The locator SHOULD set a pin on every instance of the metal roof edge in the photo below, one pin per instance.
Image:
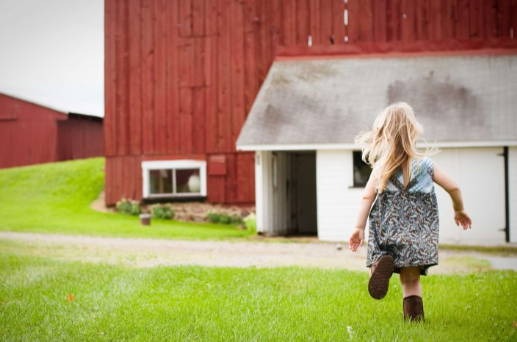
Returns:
(36, 103)
(44, 105)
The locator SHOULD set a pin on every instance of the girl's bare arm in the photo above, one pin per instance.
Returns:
(454, 192)
(357, 237)
(450, 186)
(367, 197)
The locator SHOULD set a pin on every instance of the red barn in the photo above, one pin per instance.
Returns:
(33, 134)
(181, 76)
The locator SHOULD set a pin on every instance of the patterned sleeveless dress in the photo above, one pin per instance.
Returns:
(404, 222)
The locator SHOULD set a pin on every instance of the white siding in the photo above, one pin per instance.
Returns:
(338, 202)
(480, 174)
(478, 171)
(512, 173)
(260, 191)
(271, 169)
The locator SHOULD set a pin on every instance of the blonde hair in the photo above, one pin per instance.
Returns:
(391, 142)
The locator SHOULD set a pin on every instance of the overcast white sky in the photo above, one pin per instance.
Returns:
(52, 53)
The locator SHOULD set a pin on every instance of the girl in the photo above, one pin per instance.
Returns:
(403, 221)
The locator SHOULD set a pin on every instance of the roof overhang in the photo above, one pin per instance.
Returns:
(461, 100)
(314, 147)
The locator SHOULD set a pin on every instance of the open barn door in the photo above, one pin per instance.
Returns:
(301, 194)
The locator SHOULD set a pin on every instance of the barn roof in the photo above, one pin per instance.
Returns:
(461, 100)
(60, 111)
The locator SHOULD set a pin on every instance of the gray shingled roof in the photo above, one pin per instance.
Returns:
(458, 99)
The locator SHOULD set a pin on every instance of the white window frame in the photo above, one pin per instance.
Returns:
(173, 165)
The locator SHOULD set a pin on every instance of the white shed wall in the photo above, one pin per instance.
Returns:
(337, 202)
(512, 180)
(260, 191)
(478, 171)
(480, 174)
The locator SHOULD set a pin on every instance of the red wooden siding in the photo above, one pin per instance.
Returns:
(28, 133)
(33, 134)
(182, 75)
(79, 137)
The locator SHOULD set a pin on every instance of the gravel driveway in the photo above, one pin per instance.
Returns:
(138, 252)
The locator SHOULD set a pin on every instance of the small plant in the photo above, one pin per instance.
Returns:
(236, 219)
(223, 218)
(127, 206)
(162, 212)
(250, 222)
(213, 217)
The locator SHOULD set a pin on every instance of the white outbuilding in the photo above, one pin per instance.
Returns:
(308, 171)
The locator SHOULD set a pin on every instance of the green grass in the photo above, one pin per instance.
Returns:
(56, 198)
(114, 303)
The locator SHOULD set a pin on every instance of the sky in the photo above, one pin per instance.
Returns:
(52, 53)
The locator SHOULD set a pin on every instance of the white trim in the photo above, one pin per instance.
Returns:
(259, 191)
(294, 147)
(469, 144)
(173, 165)
(173, 175)
(177, 164)
(512, 192)
(274, 170)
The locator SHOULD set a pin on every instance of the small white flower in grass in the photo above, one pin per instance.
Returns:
(350, 331)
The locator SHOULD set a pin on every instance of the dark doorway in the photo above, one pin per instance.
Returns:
(301, 193)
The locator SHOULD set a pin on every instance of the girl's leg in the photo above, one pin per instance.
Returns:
(412, 294)
(410, 280)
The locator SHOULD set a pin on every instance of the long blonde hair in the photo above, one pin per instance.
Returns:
(391, 143)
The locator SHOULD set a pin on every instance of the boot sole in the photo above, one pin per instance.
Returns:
(380, 279)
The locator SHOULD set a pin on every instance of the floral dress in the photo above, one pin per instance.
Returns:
(404, 222)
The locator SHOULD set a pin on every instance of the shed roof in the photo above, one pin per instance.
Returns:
(461, 100)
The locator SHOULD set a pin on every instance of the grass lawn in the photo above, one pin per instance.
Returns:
(47, 300)
(56, 198)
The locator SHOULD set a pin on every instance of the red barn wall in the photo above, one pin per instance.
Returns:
(28, 132)
(33, 134)
(80, 137)
(181, 76)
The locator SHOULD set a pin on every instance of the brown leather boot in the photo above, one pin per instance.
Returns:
(413, 308)
(380, 278)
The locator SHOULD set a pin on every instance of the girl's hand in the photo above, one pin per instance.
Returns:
(461, 218)
(356, 239)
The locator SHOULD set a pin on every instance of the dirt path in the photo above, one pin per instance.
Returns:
(154, 252)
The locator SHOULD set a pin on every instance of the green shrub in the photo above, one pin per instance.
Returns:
(250, 222)
(236, 219)
(213, 217)
(127, 206)
(224, 218)
(163, 212)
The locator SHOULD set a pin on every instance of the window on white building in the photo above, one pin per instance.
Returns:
(361, 170)
(174, 178)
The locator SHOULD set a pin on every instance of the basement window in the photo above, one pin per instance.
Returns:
(174, 178)
(361, 171)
